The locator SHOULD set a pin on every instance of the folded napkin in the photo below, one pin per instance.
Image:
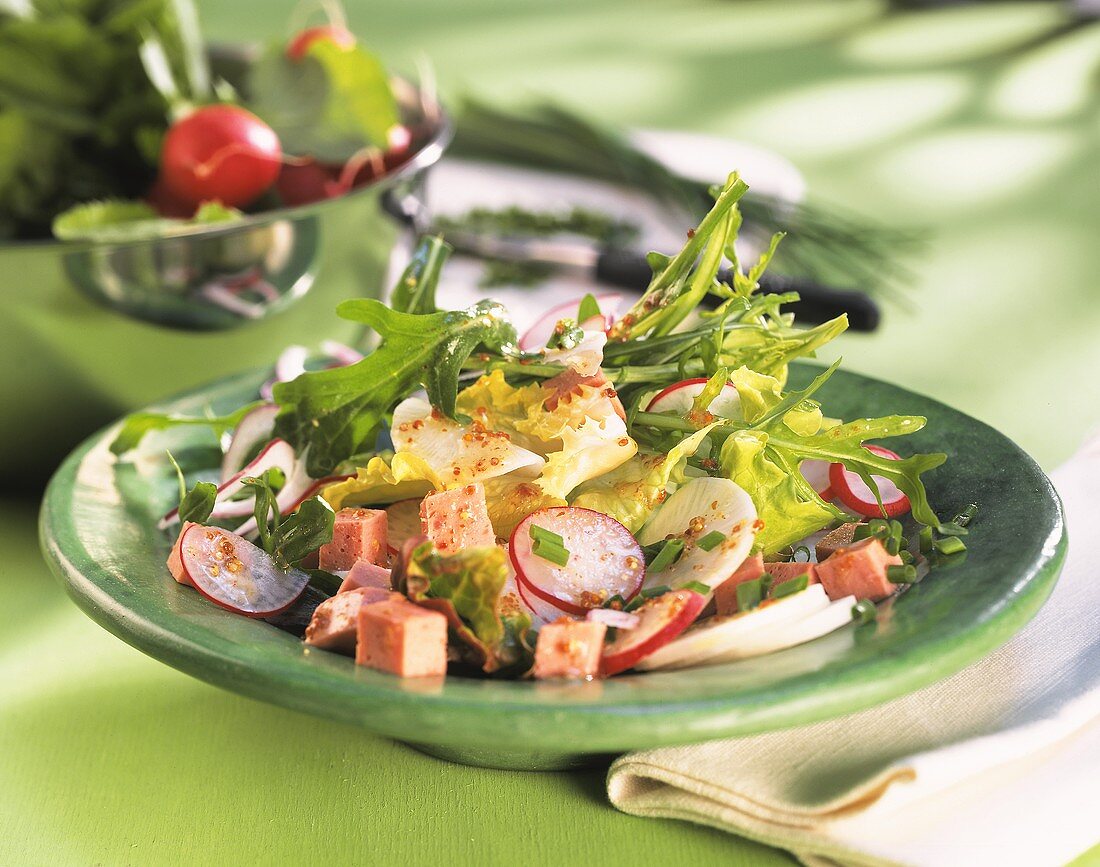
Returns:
(997, 765)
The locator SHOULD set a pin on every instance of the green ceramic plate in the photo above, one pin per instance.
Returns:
(99, 534)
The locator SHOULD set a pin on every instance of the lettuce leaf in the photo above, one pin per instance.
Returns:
(632, 491)
(510, 500)
(466, 587)
(404, 477)
(138, 424)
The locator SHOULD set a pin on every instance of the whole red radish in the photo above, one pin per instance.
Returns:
(334, 33)
(300, 183)
(220, 153)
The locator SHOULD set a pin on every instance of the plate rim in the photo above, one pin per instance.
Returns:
(633, 724)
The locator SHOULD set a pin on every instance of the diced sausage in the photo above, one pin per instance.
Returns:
(858, 570)
(335, 621)
(364, 573)
(567, 385)
(357, 534)
(175, 558)
(569, 649)
(781, 572)
(834, 540)
(402, 638)
(457, 519)
(725, 594)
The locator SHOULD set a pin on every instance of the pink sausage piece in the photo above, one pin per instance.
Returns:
(357, 534)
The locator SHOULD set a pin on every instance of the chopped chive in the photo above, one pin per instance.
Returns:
(637, 602)
(792, 585)
(616, 602)
(802, 554)
(952, 529)
(949, 545)
(711, 540)
(668, 555)
(966, 515)
(541, 534)
(864, 611)
(892, 546)
(925, 541)
(556, 554)
(896, 532)
(906, 557)
(697, 587)
(749, 594)
(901, 574)
(653, 592)
(766, 581)
(861, 532)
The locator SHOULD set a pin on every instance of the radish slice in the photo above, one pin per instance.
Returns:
(702, 506)
(402, 521)
(660, 621)
(679, 397)
(290, 365)
(255, 429)
(817, 474)
(235, 574)
(536, 336)
(342, 355)
(277, 453)
(541, 612)
(605, 559)
(855, 493)
(719, 634)
(761, 641)
(613, 619)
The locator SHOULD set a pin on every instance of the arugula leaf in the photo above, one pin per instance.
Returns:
(338, 412)
(415, 291)
(138, 424)
(288, 538)
(466, 587)
(196, 504)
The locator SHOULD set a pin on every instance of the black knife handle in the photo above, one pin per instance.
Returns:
(817, 303)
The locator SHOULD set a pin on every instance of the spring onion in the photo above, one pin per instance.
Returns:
(791, 586)
(670, 552)
(711, 540)
(949, 545)
(548, 550)
(749, 595)
(864, 611)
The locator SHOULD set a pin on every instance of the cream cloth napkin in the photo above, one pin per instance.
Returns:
(997, 765)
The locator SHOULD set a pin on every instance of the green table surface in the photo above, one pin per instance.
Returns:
(974, 122)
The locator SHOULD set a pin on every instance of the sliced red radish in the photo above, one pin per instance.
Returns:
(541, 612)
(277, 453)
(703, 506)
(680, 396)
(605, 559)
(255, 429)
(403, 521)
(719, 635)
(535, 337)
(235, 574)
(340, 353)
(660, 620)
(613, 618)
(290, 365)
(857, 495)
(817, 474)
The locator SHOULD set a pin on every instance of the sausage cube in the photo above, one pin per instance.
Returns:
(725, 594)
(781, 572)
(357, 534)
(569, 649)
(457, 519)
(364, 573)
(402, 638)
(336, 620)
(858, 570)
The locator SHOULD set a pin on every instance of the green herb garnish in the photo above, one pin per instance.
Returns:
(864, 611)
(668, 554)
(551, 551)
(750, 594)
(791, 585)
(711, 540)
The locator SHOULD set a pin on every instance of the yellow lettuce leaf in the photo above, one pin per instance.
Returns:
(379, 482)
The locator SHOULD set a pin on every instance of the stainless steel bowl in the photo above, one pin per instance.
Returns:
(83, 336)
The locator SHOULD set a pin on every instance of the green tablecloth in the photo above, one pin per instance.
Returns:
(918, 118)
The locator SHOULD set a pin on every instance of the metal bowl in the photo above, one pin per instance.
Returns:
(70, 362)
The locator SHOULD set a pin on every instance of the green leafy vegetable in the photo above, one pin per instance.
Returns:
(196, 504)
(336, 413)
(332, 103)
(589, 308)
(127, 220)
(288, 539)
(137, 425)
(466, 587)
(415, 290)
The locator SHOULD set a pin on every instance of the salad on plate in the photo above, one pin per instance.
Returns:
(614, 490)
